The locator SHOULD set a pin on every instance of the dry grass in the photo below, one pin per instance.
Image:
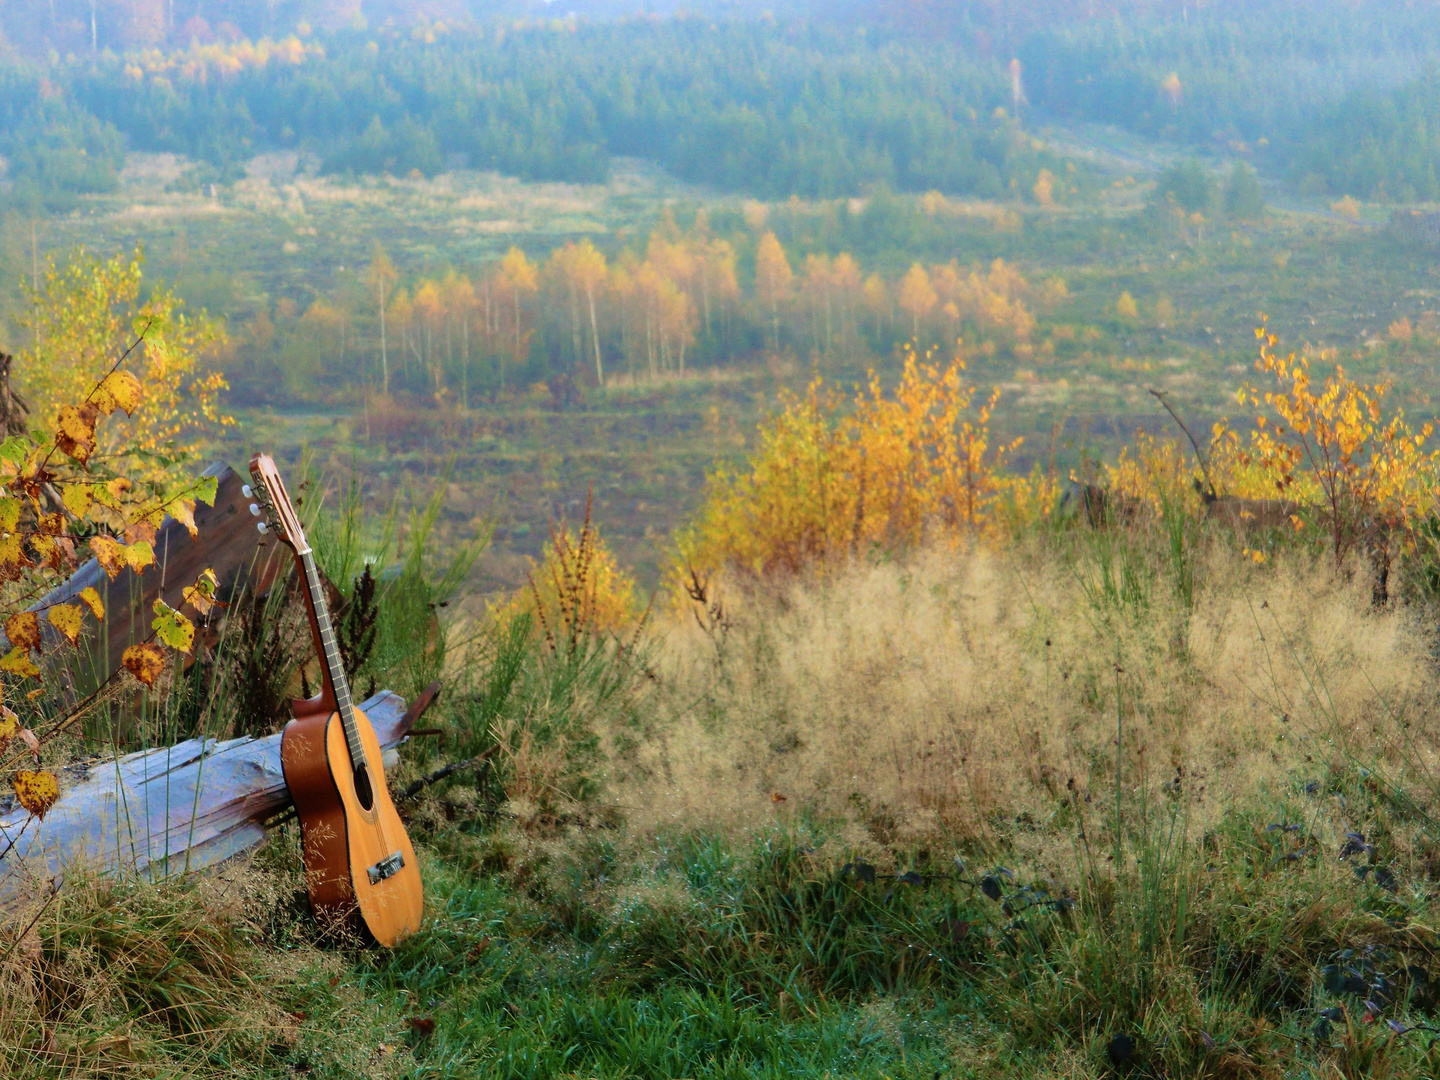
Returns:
(956, 693)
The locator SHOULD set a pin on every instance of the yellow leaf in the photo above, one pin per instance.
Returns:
(109, 494)
(183, 511)
(201, 595)
(145, 662)
(9, 513)
(9, 724)
(171, 627)
(12, 557)
(75, 431)
(119, 390)
(17, 661)
(23, 630)
(77, 498)
(68, 619)
(109, 554)
(92, 600)
(37, 791)
(139, 555)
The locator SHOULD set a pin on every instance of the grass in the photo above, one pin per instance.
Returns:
(1096, 805)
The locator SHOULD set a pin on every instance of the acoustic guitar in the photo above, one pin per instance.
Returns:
(360, 868)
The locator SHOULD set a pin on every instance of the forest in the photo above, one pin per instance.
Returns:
(825, 109)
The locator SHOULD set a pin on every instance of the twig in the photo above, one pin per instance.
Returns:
(1200, 455)
(54, 892)
(449, 770)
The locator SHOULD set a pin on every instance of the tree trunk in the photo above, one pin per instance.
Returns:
(595, 333)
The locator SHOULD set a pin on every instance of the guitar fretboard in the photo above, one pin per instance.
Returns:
(336, 670)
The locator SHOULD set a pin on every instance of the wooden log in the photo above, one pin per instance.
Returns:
(164, 811)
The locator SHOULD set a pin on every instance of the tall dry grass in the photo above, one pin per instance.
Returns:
(972, 695)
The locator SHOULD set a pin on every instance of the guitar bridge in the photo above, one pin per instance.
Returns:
(387, 867)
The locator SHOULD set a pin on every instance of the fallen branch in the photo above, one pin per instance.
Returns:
(449, 770)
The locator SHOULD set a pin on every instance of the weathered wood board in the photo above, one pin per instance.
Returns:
(228, 543)
(164, 811)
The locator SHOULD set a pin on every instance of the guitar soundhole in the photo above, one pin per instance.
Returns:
(363, 794)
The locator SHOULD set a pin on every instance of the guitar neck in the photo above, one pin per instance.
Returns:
(337, 686)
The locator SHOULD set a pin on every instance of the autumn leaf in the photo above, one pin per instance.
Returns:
(171, 627)
(68, 619)
(9, 513)
(183, 511)
(201, 595)
(112, 492)
(14, 449)
(17, 661)
(23, 630)
(92, 600)
(56, 552)
(109, 554)
(121, 390)
(139, 555)
(37, 791)
(145, 661)
(114, 556)
(12, 557)
(9, 724)
(75, 431)
(77, 498)
(145, 528)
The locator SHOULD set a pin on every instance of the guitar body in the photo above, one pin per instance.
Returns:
(360, 869)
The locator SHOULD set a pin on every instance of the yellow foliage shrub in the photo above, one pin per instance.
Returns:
(1368, 478)
(85, 314)
(1155, 473)
(575, 591)
(824, 484)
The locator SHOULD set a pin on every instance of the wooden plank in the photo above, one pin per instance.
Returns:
(228, 543)
(167, 810)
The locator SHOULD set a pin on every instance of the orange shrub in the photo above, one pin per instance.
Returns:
(576, 591)
(825, 484)
(1368, 478)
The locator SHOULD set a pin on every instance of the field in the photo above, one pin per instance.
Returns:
(1050, 790)
(283, 234)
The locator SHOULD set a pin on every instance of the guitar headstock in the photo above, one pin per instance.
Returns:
(273, 501)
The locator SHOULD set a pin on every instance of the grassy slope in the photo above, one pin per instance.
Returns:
(736, 897)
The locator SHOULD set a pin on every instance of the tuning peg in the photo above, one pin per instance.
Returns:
(254, 510)
(247, 491)
(262, 527)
